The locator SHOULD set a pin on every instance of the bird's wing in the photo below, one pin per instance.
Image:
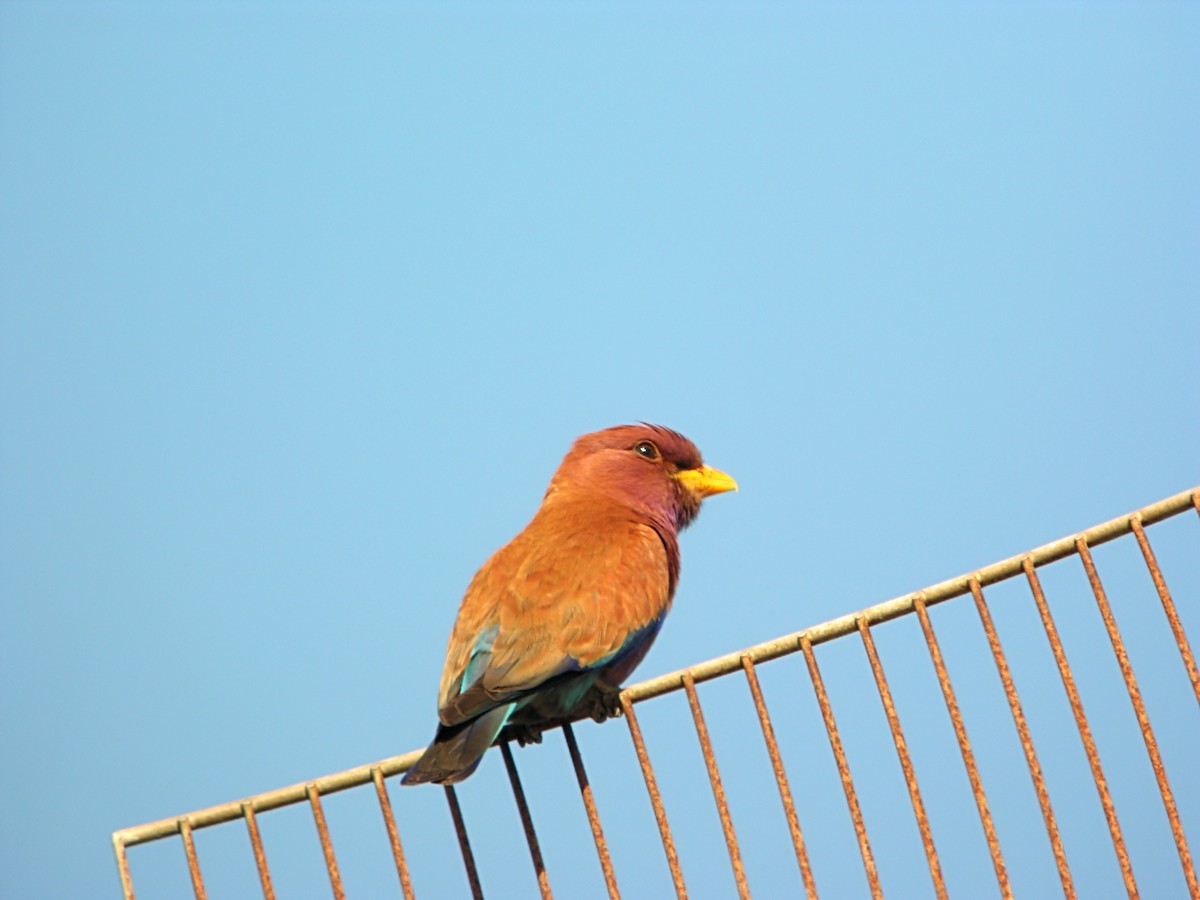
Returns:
(565, 596)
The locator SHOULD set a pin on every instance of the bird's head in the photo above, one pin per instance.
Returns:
(653, 470)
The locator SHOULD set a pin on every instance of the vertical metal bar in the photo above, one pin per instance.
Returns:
(535, 851)
(1085, 732)
(464, 844)
(335, 877)
(1143, 718)
(964, 743)
(781, 779)
(193, 863)
(593, 814)
(910, 776)
(389, 821)
(1031, 759)
(260, 855)
(660, 813)
(123, 868)
(1160, 584)
(843, 765)
(714, 778)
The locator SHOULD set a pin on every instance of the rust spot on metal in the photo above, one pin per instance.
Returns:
(123, 868)
(1160, 585)
(781, 779)
(335, 877)
(535, 851)
(843, 766)
(1143, 718)
(464, 843)
(964, 743)
(714, 778)
(593, 815)
(910, 776)
(260, 855)
(193, 863)
(1085, 732)
(660, 813)
(1031, 759)
(389, 822)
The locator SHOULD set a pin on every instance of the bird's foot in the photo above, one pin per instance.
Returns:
(605, 703)
(526, 734)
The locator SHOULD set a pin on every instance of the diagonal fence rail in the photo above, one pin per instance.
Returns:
(1023, 569)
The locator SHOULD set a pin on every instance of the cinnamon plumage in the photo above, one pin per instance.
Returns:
(558, 618)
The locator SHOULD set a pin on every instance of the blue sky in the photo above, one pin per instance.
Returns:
(302, 304)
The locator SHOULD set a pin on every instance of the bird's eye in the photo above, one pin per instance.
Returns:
(646, 449)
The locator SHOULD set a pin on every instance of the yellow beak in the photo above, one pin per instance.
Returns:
(706, 481)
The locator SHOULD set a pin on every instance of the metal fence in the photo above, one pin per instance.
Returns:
(806, 866)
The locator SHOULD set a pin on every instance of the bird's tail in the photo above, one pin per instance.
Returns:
(457, 749)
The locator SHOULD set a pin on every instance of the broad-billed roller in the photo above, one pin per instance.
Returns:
(560, 616)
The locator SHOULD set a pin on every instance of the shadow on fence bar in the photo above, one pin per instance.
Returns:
(1022, 569)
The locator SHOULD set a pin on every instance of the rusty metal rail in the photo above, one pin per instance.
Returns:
(864, 623)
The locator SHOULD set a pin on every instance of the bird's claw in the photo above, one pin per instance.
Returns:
(526, 734)
(605, 703)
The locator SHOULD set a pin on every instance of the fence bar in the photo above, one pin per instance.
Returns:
(535, 851)
(660, 813)
(891, 609)
(335, 877)
(593, 815)
(123, 869)
(802, 641)
(260, 855)
(964, 743)
(464, 843)
(389, 822)
(910, 776)
(721, 665)
(1085, 731)
(843, 765)
(781, 779)
(268, 800)
(193, 863)
(714, 778)
(1031, 759)
(1143, 718)
(1160, 584)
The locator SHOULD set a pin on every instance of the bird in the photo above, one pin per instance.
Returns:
(555, 620)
